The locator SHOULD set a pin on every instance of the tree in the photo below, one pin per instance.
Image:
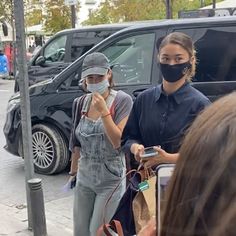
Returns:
(126, 10)
(35, 17)
(33, 12)
(6, 9)
(58, 15)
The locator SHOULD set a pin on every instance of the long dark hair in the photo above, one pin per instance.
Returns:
(201, 198)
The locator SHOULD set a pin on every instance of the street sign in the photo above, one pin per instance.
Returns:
(71, 2)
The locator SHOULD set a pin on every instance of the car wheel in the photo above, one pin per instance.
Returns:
(50, 152)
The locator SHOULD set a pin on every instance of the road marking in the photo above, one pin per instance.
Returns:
(4, 90)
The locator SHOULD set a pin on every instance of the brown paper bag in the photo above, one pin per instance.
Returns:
(144, 204)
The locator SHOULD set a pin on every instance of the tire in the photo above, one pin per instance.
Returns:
(50, 152)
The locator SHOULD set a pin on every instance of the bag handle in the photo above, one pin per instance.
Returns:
(114, 225)
(113, 191)
(118, 185)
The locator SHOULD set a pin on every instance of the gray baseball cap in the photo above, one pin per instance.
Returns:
(95, 64)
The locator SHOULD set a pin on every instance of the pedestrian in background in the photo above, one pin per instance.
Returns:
(4, 73)
(161, 115)
(201, 196)
(95, 145)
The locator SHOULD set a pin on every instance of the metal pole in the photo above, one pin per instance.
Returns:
(73, 16)
(25, 103)
(168, 9)
(37, 204)
(201, 3)
(213, 4)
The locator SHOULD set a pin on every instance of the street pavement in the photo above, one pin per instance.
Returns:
(14, 217)
(58, 218)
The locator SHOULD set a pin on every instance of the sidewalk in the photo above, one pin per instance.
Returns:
(13, 220)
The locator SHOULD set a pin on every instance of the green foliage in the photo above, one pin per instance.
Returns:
(34, 17)
(33, 12)
(178, 5)
(126, 10)
(6, 9)
(111, 11)
(58, 16)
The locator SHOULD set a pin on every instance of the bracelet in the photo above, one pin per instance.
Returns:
(108, 114)
(72, 173)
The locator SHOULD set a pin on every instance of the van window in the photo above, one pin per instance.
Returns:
(55, 50)
(131, 59)
(216, 53)
(83, 41)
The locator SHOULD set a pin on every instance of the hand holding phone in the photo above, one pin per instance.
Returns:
(149, 152)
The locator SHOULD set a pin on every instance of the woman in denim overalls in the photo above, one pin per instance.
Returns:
(95, 145)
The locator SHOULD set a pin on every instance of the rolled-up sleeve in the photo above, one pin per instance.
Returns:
(123, 106)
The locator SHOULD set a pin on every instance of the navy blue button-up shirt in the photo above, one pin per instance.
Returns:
(160, 119)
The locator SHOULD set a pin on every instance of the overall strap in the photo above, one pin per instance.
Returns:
(110, 102)
(78, 111)
(86, 103)
(76, 115)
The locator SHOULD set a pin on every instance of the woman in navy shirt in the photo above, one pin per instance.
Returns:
(160, 115)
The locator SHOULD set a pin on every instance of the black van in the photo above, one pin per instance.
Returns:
(64, 48)
(133, 54)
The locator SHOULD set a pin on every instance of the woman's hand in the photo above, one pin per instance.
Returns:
(160, 158)
(137, 150)
(99, 104)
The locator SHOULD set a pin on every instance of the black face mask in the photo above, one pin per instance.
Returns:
(173, 73)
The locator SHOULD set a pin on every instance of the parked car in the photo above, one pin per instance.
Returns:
(64, 48)
(133, 54)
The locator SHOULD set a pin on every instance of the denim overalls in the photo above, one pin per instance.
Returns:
(101, 167)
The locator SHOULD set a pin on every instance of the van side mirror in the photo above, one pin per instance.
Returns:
(40, 61)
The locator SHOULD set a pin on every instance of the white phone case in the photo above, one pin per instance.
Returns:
(163, 173)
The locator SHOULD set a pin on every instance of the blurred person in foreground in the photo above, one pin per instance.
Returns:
(201, 197)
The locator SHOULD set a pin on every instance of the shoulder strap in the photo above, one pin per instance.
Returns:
(78, 111)
(76, 115)
(112, 106)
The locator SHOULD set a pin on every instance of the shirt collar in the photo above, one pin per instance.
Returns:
(177, 95)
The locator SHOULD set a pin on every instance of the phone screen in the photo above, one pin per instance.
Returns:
(149, 152)
(164, 173)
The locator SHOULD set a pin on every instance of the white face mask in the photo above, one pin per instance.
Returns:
(100, 87)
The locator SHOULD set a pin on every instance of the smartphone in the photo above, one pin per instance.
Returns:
(149, 152)
(163, 173)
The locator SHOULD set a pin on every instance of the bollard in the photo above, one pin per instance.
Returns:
(37, 207)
